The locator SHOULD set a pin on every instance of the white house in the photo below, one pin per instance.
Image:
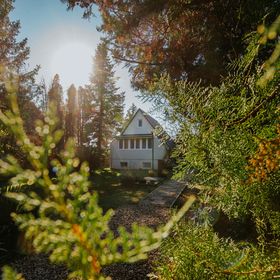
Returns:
(137, 150)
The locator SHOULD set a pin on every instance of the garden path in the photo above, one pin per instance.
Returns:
(166, 194)
(152, 211)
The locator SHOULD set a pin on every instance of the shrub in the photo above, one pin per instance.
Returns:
(196, 252)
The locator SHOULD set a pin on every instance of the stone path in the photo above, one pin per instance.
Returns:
(165, 195)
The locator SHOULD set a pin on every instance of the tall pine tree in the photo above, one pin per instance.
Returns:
(71, 117)
(55, 98)
(130, 112)
(13, 57)
(106, 107)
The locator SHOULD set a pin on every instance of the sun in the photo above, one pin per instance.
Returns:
(73, 62)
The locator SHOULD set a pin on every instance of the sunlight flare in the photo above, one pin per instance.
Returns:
(73, 63)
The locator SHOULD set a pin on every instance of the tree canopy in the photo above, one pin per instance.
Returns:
(184, 39)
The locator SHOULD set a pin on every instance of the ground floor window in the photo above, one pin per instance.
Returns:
(124, 164)
(146, 164)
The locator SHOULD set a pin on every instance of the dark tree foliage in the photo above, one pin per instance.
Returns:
(13, 57)
(130, 112)
(193, 39)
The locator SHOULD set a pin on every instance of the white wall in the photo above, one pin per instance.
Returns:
(133, 127)
(135, 157)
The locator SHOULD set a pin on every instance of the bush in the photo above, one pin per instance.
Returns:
(196, 252)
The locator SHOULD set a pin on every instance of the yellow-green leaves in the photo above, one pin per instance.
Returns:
(272, 64)
(10, 274)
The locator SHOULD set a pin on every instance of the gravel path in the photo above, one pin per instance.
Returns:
(142, 214)
(37, 267)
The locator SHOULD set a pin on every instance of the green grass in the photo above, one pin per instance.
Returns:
(115, 191)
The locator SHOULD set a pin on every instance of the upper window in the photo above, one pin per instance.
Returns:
(131, 143)
(140, 123)
(138, 143)
(121, 144)
(144, 143)
(126, 143)
(150, 143)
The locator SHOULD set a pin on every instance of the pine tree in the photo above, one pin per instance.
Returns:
(55, 94)
(179, 37)
(80, 124)
(13, 57)
(130, 112)
(71, 118)
(106, 104)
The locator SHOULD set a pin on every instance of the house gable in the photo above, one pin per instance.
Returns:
(139, 124)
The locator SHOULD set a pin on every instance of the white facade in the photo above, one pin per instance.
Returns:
(137, 148)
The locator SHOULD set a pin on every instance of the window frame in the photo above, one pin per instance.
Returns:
(146, 167)
(126, 162)
(132, 147)
(120, 144)
(150, 143)
(126, 144)
(144, 140)
(139, 144)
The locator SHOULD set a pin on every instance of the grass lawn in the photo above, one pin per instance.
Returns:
(114, 192)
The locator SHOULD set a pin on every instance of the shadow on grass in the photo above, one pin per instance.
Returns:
(116, 191)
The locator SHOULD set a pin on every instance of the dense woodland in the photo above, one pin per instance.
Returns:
(212, 69)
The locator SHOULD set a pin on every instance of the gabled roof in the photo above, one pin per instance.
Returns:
(149, 119)
(154, 123)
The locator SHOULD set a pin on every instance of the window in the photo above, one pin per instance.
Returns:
(150, 143)
(146, 164)
(121, 144)
(137, 143)
(131, 143)
(144, 143)
(126, 143)
(124, 164)
(140, 123)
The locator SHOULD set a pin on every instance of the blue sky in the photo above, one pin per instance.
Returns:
(64, 43)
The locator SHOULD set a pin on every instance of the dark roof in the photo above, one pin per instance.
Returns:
(150, 119)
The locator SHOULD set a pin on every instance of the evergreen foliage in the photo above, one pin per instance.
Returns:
(9, 274)
(13, 55)
(103, 108)
(227, 145)
(55, 98)
(71, 116)
(195, 252)
(220, 128)
(178, 37)
(130, 112)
